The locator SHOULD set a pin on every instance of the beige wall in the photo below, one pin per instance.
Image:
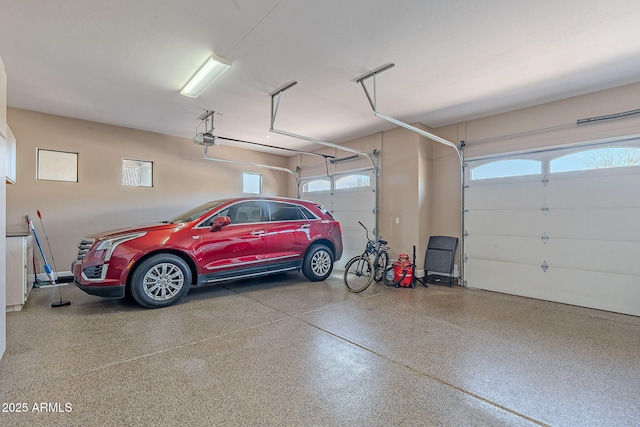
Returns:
(182, 179)
(404, 195)
(556, 122)
(313, 166)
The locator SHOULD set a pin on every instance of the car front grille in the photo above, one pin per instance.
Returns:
(83, 248)
(93, 272)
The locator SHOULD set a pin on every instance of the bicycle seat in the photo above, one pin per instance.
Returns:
(383, 242)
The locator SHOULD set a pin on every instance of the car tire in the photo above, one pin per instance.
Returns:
(160, 281)
(318, 263)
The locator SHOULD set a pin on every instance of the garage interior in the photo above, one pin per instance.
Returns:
(542, 326)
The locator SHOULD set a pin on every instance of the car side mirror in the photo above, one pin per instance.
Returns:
(220, 222)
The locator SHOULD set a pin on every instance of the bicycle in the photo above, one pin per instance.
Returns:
(360, 271)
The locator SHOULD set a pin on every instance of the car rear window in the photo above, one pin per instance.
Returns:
(288, 212)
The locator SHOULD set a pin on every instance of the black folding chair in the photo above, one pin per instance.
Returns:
(439, 260)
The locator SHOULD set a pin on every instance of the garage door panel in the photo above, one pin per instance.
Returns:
(601, 290)
(619, 224)
(323, 198)
(506, 222)
(348, 253)
(505, 277)
(520, 250)
(349, 221)
(523, 195)
(353, 235)
(604, 291)
(589, 255)
(350, 207)
(356, 198)
(594, 192)
(594, 255)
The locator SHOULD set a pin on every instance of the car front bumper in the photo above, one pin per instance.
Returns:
(113, 291)
(102, 288)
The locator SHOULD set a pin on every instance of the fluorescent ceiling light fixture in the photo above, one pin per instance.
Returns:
(213, 69)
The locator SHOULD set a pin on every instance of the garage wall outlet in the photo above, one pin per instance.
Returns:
(397, 220)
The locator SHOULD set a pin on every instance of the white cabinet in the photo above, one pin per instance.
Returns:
(20, 273)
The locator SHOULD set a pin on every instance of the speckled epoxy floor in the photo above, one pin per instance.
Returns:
(283, 351)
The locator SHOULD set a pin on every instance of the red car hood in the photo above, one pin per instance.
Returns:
(143, 228)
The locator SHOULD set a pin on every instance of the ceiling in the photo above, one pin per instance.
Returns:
(124, 62)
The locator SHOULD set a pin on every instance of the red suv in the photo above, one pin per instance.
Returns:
(220, 240)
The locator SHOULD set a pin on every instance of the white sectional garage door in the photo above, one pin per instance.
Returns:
(350, 197)
(567, 229)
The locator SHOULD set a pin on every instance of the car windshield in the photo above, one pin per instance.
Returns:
(197, 212)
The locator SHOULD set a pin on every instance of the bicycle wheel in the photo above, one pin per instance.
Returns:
(358, 274)
(380, 264)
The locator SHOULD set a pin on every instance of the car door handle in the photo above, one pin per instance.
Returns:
(257, 233)
(306, 226)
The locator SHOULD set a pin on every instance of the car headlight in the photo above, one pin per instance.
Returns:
(110, 244)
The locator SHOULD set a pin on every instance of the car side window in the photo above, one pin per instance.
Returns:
(288, 212)
(241, 213)
(245, 212)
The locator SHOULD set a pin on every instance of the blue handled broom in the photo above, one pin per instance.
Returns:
(47, 267)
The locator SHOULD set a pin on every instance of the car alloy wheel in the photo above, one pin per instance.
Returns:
(163, 282)
(318, 263)
(321, 263)
(160, 280)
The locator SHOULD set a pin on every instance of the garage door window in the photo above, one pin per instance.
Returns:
(599, 158)
(506, 168)
(352, 181)
(316, 185)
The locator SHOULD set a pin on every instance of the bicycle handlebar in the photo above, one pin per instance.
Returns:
(367, 231)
